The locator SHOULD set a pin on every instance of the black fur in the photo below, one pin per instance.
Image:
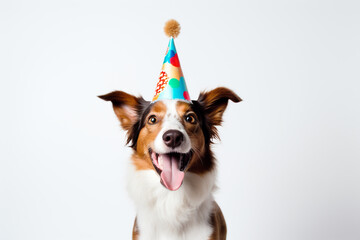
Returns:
(143, 109)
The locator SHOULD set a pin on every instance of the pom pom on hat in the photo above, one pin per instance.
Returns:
(172, 28)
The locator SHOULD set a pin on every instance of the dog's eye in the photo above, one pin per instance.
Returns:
(152, 119)
(190, 118)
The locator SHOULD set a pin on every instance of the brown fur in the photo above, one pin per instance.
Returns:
(135, 233)
(214, 104)
(147, 135)
(122, 103)
(218, 222)
(128, 109)
(196, 137)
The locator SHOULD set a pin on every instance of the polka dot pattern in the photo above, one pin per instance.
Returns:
(171, 84)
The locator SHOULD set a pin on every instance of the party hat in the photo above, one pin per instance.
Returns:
(171, 84)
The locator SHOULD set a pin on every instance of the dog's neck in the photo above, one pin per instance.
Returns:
(161, 212)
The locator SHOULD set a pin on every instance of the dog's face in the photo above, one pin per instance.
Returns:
(172, 136)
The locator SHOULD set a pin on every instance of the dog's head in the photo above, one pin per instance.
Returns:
(172, 136)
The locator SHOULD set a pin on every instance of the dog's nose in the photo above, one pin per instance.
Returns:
(173, 138)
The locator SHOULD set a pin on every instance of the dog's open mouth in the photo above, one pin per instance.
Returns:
(170, 167)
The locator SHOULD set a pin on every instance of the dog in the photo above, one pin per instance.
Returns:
(172, 173)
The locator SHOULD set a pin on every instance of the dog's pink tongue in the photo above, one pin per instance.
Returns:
(171, 176)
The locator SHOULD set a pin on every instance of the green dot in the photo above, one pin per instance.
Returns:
(174, 83)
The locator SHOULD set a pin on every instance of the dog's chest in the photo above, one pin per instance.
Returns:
(197, 231)
(179, 215)
(193, 226)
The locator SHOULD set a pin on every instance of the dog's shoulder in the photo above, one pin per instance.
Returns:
(218, 223)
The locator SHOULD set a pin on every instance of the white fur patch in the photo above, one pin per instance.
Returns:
(177, 215)
(171, 121)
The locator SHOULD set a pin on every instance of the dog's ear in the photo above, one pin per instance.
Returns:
(126, 107)
(214, 104)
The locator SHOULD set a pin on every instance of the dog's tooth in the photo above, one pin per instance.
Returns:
(161, 163)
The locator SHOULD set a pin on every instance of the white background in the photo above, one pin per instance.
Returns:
(289, 159)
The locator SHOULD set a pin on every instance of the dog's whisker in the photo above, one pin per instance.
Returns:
(197, 152)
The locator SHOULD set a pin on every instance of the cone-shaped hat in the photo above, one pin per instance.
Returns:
(171, 84)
